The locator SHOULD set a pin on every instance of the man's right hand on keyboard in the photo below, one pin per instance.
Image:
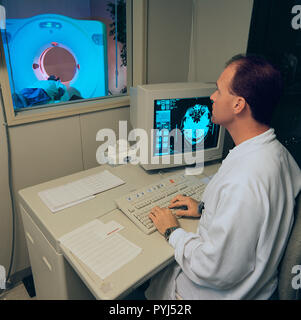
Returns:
(191, 204)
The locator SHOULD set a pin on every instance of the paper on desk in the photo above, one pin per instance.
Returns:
(75, 192)
(100, 247)
(56, 209)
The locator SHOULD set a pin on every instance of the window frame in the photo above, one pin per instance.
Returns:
(136, 74)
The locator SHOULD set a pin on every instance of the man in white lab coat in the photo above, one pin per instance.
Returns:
(246, 212)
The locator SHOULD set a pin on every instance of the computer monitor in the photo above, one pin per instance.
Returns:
(177, 120)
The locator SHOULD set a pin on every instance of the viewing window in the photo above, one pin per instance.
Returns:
(64, 50)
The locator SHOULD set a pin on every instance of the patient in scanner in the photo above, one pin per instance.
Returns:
(42, 92)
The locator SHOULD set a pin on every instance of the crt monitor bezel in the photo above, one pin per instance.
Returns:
(142, 116)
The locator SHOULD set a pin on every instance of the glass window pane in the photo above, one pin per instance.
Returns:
(64, 50)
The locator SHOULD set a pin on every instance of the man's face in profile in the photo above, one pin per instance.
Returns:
(223, 100)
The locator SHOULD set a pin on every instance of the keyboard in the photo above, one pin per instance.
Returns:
(137, 205)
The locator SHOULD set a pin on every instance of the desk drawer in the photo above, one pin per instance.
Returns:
(46, 264)
(53, 276)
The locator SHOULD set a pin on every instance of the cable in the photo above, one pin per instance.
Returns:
(10, 183)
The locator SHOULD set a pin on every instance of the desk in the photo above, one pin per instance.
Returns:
(57, 273)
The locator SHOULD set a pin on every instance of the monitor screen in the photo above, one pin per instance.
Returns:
(190, 121)
(175, 119)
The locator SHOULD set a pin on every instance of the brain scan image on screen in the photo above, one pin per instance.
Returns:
(196, 124)
(190, 119)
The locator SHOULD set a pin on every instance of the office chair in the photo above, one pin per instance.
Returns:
(291, 257)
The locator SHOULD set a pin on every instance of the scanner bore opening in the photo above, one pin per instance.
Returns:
(59, 62)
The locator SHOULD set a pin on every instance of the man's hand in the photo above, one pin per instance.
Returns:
(163, 219)
(191, 204)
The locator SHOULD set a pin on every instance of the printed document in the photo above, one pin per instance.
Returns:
(100, 247)
(72, 193)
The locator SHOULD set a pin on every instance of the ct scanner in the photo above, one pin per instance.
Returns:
(29, 39)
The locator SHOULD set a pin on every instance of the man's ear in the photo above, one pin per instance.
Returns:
(240, 105)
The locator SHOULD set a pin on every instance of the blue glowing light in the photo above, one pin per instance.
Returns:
(85, 40)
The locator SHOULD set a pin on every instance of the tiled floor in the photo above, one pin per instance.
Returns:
(17, 293)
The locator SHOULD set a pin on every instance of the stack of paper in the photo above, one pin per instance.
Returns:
(100, 247)
(78, 191)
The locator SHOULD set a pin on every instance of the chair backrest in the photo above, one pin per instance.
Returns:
(291, 258)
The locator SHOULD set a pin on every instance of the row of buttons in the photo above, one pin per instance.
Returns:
(156, 187)
(142, 193)
(156, 198)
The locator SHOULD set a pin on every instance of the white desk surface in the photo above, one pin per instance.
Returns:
(156, 252)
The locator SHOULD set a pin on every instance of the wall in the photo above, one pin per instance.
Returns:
(222, 31)
(169, 40)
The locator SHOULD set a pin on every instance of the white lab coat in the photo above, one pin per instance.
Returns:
(242, 233)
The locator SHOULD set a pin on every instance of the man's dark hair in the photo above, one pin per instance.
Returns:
(259, 83)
